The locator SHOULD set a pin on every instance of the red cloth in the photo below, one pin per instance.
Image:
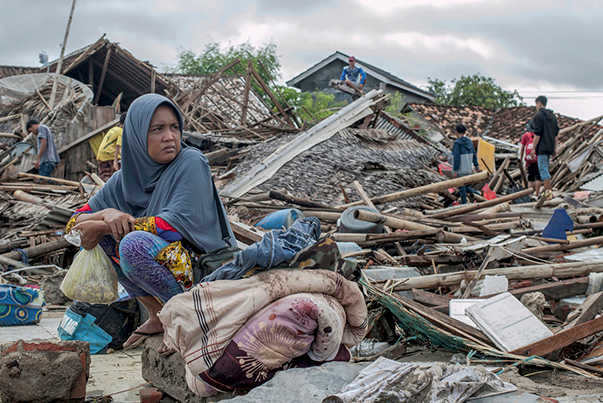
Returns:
(527, 140)
(488, 193)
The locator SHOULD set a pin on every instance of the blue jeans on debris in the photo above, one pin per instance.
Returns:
(543, 166)
(274, 248)
(46, 168)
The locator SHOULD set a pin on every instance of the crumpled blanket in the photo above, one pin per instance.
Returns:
(274, 248)
(389, 380)
(201, 323)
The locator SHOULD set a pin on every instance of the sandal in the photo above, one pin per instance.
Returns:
(138, 342)
(166, 350)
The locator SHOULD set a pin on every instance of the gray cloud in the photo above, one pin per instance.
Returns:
(543, 44)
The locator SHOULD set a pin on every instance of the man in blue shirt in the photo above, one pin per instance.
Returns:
(48, 156)
(353, 76)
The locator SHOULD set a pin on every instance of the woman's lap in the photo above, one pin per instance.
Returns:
(137, 270)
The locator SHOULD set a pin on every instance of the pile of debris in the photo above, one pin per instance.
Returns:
(511, 280)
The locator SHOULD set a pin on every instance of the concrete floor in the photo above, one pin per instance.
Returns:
(109, 373)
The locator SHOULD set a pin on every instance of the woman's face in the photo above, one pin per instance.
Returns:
(163, 139)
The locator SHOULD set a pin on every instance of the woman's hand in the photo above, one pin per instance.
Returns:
(119, 222)
(92, 232)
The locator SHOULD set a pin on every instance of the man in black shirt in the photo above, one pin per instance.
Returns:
(545, 141)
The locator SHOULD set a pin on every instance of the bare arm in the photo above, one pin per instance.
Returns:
(43, 145)
(116, 158)
(521, 152)
(96, 225)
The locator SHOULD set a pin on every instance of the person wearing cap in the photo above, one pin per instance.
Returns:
(353, 76)
(525, 154)
(545, 142)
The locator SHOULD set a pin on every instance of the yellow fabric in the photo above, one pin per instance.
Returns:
(71, 222)
(177, 259)
(106, 151)
(96, 141)
(146, 224)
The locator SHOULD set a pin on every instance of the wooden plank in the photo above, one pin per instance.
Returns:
(271, 95)
(429, 299)
(246, 92)
(587, 310)
(245, 233)
(561, 339)
(88, 136)
(102, 77)
(367, 200)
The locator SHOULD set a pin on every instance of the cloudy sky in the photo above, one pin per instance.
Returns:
(536, 46)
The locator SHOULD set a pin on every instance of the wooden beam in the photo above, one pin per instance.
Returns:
(477, 206)
(245, 233)
(587, 310)
(367, 200)
(246, 91)
(559, 270)
(561, 339)
(88, 136)
(102, 77)
(434, 187)
(270, 95)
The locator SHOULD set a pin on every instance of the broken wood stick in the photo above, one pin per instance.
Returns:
(477, 206)
(560, 339)
(558, 270)
(57, 180)
(26, 197)
(365, 198)
(38, 250)
(490, 216)
(587, 310)
(598, 240)
(434, 187)
(399, 224)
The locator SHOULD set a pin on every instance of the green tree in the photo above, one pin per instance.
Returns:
(312, 107)
(214, 57)
(475, 90)
(397, 102)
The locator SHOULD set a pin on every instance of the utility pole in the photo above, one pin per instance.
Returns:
(60, 64)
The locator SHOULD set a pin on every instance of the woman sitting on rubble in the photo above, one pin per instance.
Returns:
(153, 215)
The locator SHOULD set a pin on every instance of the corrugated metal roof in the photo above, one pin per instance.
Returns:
(594, 185)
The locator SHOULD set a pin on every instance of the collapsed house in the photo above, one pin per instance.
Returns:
(425, 266)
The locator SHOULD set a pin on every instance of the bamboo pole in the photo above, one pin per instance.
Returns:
(57, 180)
(400, 224)
(434, 187)
(60, 63)
(598, 240)
(559, 270)
(485, 204)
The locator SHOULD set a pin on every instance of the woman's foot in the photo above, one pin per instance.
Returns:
(150, 328)
(164, 350)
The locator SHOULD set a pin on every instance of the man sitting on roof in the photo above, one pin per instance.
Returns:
(353, 76)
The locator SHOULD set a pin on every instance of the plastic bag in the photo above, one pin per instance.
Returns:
(91, 278)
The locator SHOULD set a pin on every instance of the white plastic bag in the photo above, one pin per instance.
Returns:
(91, 277)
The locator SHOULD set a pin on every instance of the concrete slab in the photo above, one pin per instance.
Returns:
(117, 372)
(508, 323)
(45, 330)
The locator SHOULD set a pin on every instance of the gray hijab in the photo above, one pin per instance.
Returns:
(180, 192)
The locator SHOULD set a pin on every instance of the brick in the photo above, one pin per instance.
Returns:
(59, 371)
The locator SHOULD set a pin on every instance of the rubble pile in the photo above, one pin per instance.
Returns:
(510, 279)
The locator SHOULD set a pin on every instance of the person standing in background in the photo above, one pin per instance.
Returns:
(525, 154)
(48, 156)
(545, 142)
(109, 152)
(464, 155)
